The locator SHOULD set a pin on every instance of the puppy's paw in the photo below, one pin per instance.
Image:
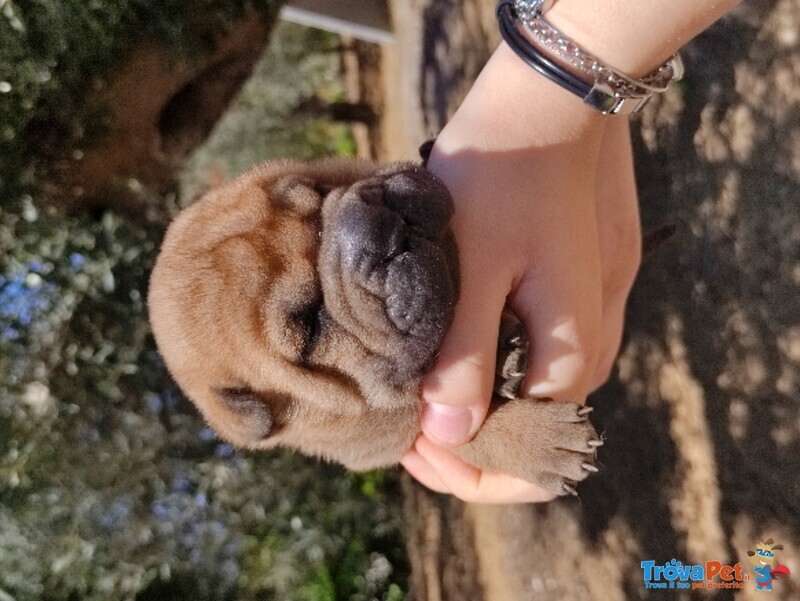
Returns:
(512, 356)
(546, 442)
(568, 444)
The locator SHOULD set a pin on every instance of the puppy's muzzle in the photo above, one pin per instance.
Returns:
(391, 238)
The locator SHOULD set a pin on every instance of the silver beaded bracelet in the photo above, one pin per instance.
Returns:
(612, 92)
(531, 7)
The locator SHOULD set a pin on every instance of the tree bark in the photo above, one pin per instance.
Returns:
(160, 108)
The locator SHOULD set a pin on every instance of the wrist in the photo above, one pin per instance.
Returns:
(635, 36)
(511, 107)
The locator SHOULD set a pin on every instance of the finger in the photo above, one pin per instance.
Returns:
(613, 323)
(619, 233)
(474, 486)
(560, 302)
(422, 471)
(458, 390)
(619, 239)
(460, 478)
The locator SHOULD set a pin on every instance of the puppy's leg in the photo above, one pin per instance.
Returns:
(550, 443)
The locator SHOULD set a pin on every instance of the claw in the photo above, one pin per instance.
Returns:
(585, 411)
(514, 340)
(570, 489)
(595, 443)
(589, 467)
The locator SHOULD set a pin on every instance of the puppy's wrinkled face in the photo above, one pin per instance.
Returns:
(296, 303)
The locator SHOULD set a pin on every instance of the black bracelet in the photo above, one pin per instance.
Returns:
(598, 95)
(507, 18)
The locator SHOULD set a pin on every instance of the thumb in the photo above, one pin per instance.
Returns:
(457, 393)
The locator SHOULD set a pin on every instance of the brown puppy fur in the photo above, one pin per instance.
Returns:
(300, 305)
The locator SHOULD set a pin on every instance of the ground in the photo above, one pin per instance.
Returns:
(702, 413)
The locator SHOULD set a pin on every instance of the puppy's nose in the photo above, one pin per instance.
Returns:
(369, 235)
(421, 199)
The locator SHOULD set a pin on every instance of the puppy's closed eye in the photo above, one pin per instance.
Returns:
(252, 416)
(312, 319)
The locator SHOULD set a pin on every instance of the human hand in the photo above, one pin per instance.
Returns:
(546, 221)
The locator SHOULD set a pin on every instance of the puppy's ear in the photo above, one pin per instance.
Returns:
(299, 193)
(250, 414)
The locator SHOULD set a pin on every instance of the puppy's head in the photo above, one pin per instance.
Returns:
(300, 305)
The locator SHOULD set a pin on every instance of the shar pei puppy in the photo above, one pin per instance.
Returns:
(301, 304)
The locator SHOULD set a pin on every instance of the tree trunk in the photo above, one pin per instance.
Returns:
(160, 108)
(348, 112)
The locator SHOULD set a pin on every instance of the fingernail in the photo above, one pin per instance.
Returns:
(447, 422)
